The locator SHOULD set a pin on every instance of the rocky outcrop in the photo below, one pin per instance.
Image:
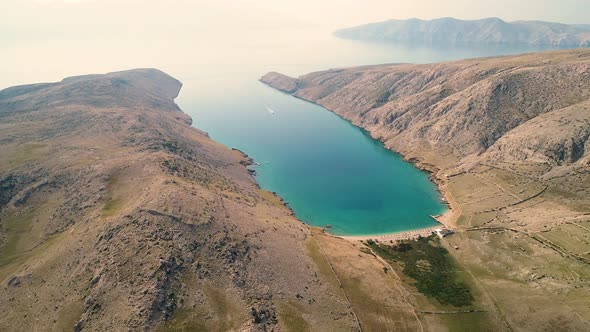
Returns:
(280, 82)
(450, 31)
(557, 138)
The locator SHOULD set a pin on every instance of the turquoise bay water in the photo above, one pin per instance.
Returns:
(329, 171)
(332, 173)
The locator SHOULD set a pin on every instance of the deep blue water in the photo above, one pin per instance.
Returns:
(329, 171)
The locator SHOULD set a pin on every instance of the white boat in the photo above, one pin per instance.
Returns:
(270, 110)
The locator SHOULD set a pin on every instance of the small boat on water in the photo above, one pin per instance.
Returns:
(270, 110)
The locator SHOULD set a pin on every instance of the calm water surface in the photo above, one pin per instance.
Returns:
(329, 171)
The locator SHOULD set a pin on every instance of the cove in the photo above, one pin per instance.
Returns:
(327, 170)
(333, 173)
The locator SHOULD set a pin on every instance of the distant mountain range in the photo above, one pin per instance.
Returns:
(485, 31)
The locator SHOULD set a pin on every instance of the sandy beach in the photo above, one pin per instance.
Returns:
(447, 220)
(398, 236)
(444, 219)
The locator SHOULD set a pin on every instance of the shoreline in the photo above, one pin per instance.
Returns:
(402, 235)
(447, 220)
(397, 236)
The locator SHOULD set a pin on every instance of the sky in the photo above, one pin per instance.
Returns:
(325, 12)
(49, 39)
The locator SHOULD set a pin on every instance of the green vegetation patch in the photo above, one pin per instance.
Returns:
(430, 266)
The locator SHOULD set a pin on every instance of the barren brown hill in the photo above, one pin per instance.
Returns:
(117, 215)
(508, 140)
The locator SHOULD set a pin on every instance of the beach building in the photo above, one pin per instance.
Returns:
(442, 232)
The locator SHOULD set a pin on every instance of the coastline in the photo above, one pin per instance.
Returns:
(442, 219)
(447, 220)
(397, 236)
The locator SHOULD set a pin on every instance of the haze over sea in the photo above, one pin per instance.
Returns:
(329, 172)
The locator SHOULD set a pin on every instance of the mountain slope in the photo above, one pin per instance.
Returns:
(463, 106)
(115, 214)
(450, 31)
(507, 140)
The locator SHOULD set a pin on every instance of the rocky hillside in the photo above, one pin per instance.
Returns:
(508, 141)
(450, 31)
(115, 215)
(473, 108)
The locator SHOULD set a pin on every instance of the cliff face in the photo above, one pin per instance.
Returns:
(116, 214)
(557, 138)
(450, 31)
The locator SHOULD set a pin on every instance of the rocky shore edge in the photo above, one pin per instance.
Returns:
(247, 162)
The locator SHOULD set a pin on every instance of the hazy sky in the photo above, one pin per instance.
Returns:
(47, 39)
(330, 12)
